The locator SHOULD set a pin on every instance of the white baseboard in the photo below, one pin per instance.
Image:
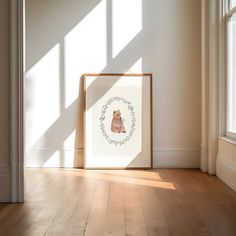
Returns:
(162, 158)
(176, 158)
(4, 183)
(58, 158)
(4, 170)
(226, 171)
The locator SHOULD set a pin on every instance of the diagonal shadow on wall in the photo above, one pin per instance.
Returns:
(51, 21)
(58, 132)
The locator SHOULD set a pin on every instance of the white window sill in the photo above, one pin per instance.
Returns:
(229, 140)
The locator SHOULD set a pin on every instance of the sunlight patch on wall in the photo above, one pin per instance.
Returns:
(85, 50)
(60, 158)
(137, 67)
(42, 97)
(69, 143)
(127, 23)
(53, 160)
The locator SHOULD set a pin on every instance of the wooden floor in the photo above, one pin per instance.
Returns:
(93, 203)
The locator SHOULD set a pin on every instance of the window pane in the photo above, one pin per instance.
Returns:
(232, 3)
(232, 75)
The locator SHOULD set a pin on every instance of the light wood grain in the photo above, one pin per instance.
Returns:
(165, 202)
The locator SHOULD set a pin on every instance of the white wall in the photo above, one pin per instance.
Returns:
(65, 39)
(4, 101)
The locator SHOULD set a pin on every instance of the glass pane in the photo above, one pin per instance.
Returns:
(232, 75)
(232, 3)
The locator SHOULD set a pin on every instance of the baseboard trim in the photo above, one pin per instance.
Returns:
(55, 158)
(177, 158)
(226, 171)
(4, 183)
(4, 171)
(162, 158)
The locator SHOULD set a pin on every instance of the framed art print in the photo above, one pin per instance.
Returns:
(118, 121)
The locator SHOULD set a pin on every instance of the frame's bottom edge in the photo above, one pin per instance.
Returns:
(118, 168)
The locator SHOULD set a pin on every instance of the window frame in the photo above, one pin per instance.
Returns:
(230, 11)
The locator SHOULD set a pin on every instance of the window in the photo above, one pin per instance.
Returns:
(232, 3)
(231, 74)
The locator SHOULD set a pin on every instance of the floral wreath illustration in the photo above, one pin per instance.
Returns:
(103, 117)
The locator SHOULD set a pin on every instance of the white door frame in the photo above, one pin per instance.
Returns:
(17, 68)
(212, 82)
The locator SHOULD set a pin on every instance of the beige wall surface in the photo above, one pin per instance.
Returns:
(65, 39)
(4, 101)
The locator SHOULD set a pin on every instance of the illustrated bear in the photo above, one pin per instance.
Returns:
(117, 125)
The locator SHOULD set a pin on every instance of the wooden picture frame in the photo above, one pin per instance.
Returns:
(118, 121)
